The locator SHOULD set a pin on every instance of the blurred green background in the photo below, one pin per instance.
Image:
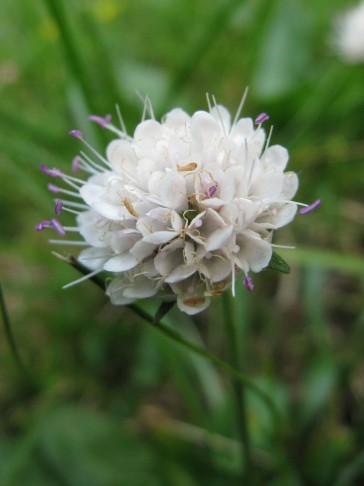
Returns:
(109, 401)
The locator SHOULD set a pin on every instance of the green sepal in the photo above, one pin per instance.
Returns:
(277, 263)
(163, 309)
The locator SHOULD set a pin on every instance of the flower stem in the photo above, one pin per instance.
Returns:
(72, 52)
(238, 386)
(11, 340)
(175, 336)
(232, 371)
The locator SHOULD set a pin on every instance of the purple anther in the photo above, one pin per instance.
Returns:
(248, 283)
(51, 172)
(53, 188)
(76, 134)
(102, 121)
(198, 223)
(58, 207)
(261, 118)
(211, 192)
(43, 224)
(76, 164)
(58, 227)
(310, 208)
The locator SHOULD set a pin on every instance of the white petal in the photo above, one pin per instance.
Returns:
(169, 258)
(142, 288)
(206, 126)
(173, 192)
(93, 258)
(276, 157)
(181, 273)
(142, 250)
(160, 237)
(121, 263)
(111, 211)
(268, 186)
(219, 238)
(115, 290)
(121, 156)
(219, 269)
(254, 251)
(290, 185)
(223, 116)
(148, 129)
(91, 192)
(176, 118)
(192, 305)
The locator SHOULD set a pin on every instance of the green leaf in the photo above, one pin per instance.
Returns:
(317, 389)
(277, 263)
(163, 309)
(282, 57)
(331, 260)
(75, 446)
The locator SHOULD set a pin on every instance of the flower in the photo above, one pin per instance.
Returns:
(349, 38)
(180, 209)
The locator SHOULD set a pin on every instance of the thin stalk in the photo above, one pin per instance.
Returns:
(206, 39)
(72, 52)
(175, 336)
(10, 338)
(233, 372)
(238, 385)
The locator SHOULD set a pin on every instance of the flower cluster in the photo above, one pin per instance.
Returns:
(180, 209)
(349, 38)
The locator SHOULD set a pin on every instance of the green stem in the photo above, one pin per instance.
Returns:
(206, 38)
(10, 338)
(73, 55)
(238, 386)
(160, 327)
(233, 372)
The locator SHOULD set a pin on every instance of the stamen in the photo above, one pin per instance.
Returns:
(208, 102)
(42, 225)
(89, 164)
(55, 189)
(129, 207)
(76, 133)
(94, 151)
(268, 141)
(102, 121)
(121, 121)
(219, 115)
(241, 106)
(188, 167)
(68, 242)
(261, 118)
(72, 229)
(211, 192)
(58, 207)
(248, 283)
(285, 247)
(73, 204)
(310, 207)
(72, 211)
(58, 227)
(76, 164)
(233, 280)
(82, 279)
(54, 172)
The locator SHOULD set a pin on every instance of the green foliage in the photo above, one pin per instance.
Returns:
(111, 399)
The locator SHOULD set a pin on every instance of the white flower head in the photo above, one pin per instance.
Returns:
(179, 210)
(349, 35)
